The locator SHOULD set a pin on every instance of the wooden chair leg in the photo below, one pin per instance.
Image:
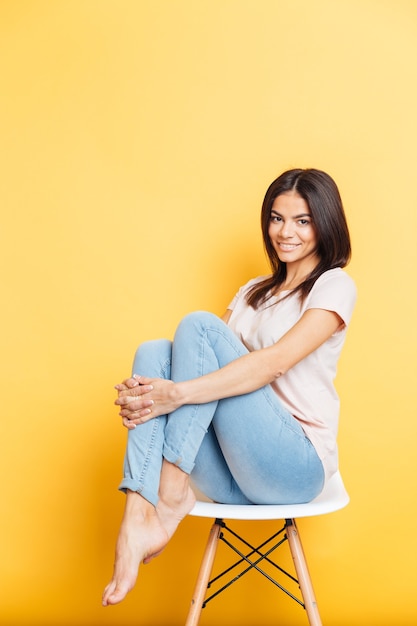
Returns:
(204, 576)
(303, 574)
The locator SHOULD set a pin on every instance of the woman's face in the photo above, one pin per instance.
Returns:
(292, 232)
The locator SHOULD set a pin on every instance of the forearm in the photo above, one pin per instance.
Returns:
(245, 374)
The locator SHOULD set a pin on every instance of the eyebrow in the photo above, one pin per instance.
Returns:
(296, 217)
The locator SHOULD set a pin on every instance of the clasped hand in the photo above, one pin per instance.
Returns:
(142, 398)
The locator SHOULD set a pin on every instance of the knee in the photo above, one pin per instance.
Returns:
(198, 319)
(155, 345)
(151, 354)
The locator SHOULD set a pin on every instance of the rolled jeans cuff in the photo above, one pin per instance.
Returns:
(134, 485)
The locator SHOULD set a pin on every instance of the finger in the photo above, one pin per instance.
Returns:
(143, 380)
(120, 387)
(143, 417)
(128, 424)
(135, 413)
(131, 382)
(126, 396)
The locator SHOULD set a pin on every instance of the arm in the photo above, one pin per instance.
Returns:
(226, 316)
(258, 368)
(245, 374)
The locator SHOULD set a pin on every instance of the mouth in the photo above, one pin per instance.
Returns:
(288, 247)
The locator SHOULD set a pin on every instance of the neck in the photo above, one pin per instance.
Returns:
(297, 275)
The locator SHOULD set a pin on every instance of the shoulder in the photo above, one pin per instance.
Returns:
(335, 291)
(251, 283)
(255, 281)
(240, 297)
(336, 278)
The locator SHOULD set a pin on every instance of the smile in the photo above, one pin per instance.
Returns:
(287, 247)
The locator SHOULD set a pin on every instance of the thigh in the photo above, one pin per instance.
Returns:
(212, 475)
(266, 450)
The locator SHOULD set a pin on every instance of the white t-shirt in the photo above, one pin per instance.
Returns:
(307, 389)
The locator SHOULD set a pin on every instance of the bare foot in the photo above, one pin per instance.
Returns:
(141, 535)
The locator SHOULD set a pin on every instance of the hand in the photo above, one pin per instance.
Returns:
(132, 396)
(143, 398)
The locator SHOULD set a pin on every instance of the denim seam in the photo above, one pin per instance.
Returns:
(147, 458)
(156, 424)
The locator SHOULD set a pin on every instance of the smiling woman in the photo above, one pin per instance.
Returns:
(257, 384)
(315, 199)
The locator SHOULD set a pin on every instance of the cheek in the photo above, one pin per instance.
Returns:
(313, 238)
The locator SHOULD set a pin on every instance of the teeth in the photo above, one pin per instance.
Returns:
(287, 246)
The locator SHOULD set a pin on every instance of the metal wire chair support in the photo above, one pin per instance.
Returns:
(252, 563)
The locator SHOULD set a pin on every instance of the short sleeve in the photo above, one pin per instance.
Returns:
(243, 291)
(334, 291)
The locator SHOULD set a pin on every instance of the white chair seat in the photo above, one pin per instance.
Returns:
(333, 497)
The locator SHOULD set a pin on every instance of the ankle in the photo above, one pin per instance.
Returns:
(174, 485)
(137, 506)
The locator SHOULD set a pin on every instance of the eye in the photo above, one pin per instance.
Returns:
(275, 218)
(304, 222)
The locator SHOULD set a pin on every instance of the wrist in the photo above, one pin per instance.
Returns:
(180, 394)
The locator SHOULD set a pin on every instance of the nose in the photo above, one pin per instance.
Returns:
(287, 230)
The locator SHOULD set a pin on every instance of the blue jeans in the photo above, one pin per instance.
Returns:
(240, 450)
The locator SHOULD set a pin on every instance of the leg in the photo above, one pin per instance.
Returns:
(303, 574)
(266, 450)
(211, 474)
(203, 576)
(253, 455)
(203, 343)
(176, 499)
(145, 530)
(143, 457)
(165, 485)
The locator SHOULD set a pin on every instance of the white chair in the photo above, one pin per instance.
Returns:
(332, 498)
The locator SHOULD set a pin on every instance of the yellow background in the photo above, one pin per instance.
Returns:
(137, 141)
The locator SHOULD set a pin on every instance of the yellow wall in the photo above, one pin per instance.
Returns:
(137, 140)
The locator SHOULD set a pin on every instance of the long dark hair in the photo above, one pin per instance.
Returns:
(320, 192)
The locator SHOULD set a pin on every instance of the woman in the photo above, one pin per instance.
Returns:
(244, 404)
